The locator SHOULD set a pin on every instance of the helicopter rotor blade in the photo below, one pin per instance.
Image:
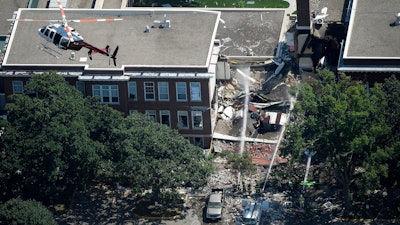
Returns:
(33, 20)
(64, 20)
(73, 21)
(96, 20)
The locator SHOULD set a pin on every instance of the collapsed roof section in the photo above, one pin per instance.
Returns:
(259, 121)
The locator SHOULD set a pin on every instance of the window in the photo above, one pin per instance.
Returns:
(198, 142)
(132, 91)
(80, 85)
(31, 92)
(163, 91)
(197, 120)
(149, 91)
(17, 87)
(51, 35)
(183, 120)
(107, 93)
(181, 93)
(2, 101)
(165, 117)
(152, 115)
(64, 42)
(195, 91)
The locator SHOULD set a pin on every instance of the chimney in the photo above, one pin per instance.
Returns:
(303, 16)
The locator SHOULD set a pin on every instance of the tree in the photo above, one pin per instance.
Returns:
(240, 163)
(391, 87)
(391, 144)
(339, 120)
(149, 155)
(55, 141)
(30, 212)
(46, 142)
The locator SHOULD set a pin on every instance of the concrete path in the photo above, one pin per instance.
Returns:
(292, 6)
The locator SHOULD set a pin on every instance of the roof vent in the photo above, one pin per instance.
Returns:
(164, 23)
(397, 22)
(72, 57)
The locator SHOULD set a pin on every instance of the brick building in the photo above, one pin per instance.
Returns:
(167, 73)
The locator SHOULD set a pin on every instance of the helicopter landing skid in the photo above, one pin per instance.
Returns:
(49, 50)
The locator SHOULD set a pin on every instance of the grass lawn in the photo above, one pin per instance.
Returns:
(241, 3)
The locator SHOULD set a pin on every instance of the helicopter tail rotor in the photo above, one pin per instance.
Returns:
(114, 56)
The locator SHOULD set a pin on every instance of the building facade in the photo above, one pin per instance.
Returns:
(181, 102)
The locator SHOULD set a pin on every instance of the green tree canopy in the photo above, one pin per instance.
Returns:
(390, 146)
(47, 144)
(341, 121)
(55, 141)
(152, 156)
(30, 212)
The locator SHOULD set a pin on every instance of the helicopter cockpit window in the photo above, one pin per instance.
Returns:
(51, 34)
(46, 32)
(42, 30)
(64, 42)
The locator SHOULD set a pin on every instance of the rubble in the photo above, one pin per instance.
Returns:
(221, 179)
(267, 113)
(267, 108)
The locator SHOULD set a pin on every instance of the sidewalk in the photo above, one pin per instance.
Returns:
(292, 6)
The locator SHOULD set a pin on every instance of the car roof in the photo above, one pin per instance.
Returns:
(216, 197)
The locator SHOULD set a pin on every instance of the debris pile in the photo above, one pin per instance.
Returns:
(222, 179)
(266, 113)
(261, 153)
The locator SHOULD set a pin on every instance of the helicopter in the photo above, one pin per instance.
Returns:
(67, 38)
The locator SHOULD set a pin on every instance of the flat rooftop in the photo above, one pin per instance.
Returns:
(243, 31)
(188, 43)
(369, 34)
(6, 12)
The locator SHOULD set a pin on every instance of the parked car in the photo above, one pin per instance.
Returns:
(215, 204)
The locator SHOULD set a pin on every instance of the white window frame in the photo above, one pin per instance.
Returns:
(163, 91)
(165, 113)
(17, 86)
(181, 125)
(195, 91)
(132, 91)
(179, 88)
(152, 114)
(147, 91)
(111, 92)
(196, 114)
